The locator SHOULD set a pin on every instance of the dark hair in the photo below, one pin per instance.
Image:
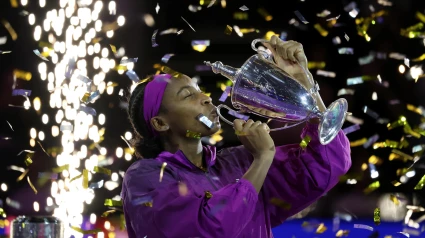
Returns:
(146, 146)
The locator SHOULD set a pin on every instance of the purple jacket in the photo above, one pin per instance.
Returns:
(189, 202)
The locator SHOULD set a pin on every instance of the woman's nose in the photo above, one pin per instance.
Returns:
(206, 100)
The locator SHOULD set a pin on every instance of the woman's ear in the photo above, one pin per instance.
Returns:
(159, 124)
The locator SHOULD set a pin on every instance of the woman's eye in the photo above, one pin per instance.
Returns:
(189, 95)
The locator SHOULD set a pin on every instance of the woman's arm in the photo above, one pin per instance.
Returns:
(174, 215)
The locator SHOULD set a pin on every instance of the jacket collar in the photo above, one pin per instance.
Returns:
(180, 159)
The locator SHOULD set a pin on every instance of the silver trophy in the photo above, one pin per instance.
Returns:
(262, 88)
(37, 227)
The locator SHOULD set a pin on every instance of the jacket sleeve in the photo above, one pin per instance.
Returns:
(221, 213)
(299, 177)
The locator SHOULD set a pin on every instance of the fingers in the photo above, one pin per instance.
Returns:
(247, 126)
(238, 124)
(256, 124)
(264, 127)
(291, 50)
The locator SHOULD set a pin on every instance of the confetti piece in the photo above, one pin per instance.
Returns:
(153, 38)
(113, 203)
(66, 127)
(3, 40)
(28, 161)
(333, 18)
(346, 51)
(21, 92)
(157, 8)
(10, 29)
(225, 94)
(105, 214)
(211, 3)
(96, 185)
(208, 194)
(244, 8)
(31, 185)
(86, 232)
(37, 52)
(76, 177)
(321, 228)
(110, 26)
(304, 142)
(133, 76)
(358, 142)
(20, 74)
(263, 12)
(377, 216)
(361, 226)
(346, 37)
(351, 129)
(113, 48)
(129, 60)
(370, 141)
(369, 112)
(22, 176)
(47, 175)
(207, 122)
(60, 168)
(188, 24)
(321, 30)
(194, 8)
(280, 203)
(84, 79)
(191, 134)
(326, 73)
(161, 173)
(238, 115)
(316, 65)
(142, 200)
(87, 110)
(420, 184)
(5, 52)
(102, 170)
(16, 168)
(300, 17)
(394, 199)
(372, 187)
(407, 62)
(345, 91)
(228, 30)
(166, 57)
(85, 178)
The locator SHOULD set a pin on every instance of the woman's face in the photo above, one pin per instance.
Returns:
(183, 102)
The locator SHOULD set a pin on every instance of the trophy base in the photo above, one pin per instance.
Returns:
(332, 120)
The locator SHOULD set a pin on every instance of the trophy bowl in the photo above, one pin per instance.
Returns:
(260, 87)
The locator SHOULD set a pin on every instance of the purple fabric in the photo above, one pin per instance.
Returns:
(154, 91)
(298, 177)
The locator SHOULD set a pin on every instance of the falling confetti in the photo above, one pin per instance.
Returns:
(191, 134)
(211, 3)
(188, 24)
(361, 226)
(304, 142)
(166, 57)
(157, 8)
(31, 185)
(377, 216)
(301, 17)
(10, 29)
(244, 8)
(228, 30)
(161, 173)
(153, 38)
(128, 60)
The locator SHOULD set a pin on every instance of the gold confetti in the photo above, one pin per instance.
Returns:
(31, 185)
(148, 204)
(85, 178)
(375, 160)
(191, 134)
(396, 183)
(20, 74)
(14, 3)
(10, 29)
(2, 213)
(112, 203)
(208, 194)
(358, 142)
(22, 175)
(372, 187)
(60, 168)
(170, 71)
(420, 184)
(28, 161)
(321, 228)
(122, 222)
(321, 30)
(420, 58)
(280, 203)
(228, 30)
(420, 16)
(161, 174)
(304, 142)
(76, 177)
(263, 12)
(96, 40)
(316, 65)
(86, 232)
(342, 233)
(105, 214)
(86, 97)
(102, 170)
(110, 26)
(240, 16)
(377, 216)
(394, 199)
(113, 48)
(396, 154)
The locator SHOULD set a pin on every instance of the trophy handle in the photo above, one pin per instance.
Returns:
(219, 107)
(261, 52)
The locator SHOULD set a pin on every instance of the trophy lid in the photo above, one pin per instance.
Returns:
(36, 219)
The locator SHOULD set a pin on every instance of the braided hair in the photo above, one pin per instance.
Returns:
(146, 146)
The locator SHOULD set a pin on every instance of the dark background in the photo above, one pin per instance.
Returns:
(210, 24)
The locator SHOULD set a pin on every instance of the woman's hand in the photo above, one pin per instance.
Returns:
(256, 138)
(289, 55)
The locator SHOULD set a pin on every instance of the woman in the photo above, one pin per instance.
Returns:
(183, 189)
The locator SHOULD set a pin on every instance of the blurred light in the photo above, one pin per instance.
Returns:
(92, 218)
(100, 235)
(374, 96)
(112, 7)
(374, 174)
(411, 174)
(37, 103)
(31, 19)
(128, 156)
(45, 119)
(103, 151)
(121, 20)
(42, 3)
(199, 48)
(110, 34)
(32, 142)
(107, 225)
(36, 207)
(49, 201)
(24, 2)
(119, 152)
(41, 135)
(33, 133)
(114, 177)
(401, 69)
(390, 211)
(128, 135)
(269, 35)
(55, 131)
(3, 187)
(416, 71)
(101, 119)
